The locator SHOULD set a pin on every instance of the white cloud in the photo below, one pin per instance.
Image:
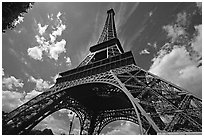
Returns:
(56, 125)
(179, 64)
(11, 100)
(18, 20)
(49, 45)
(42, 29)
(178, 68)
(59, 26)
(182, 19)
(199, 5)
(59, 30)
(68, 61)
(52, 38)
(154, 45)
(35, 52)
(197, 42)
(2, 71)
(56, 49)
(11, 82)
(55, 77)
(145, 51)
(40, 40)
(30, 95)
(128, 128)
(178, 29)
(50, 16)
(40, 83)
(70, 113)
(150, 13)
(59, 14)
(64, 111)
(174, 32)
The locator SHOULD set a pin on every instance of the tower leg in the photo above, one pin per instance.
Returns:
(92, 124)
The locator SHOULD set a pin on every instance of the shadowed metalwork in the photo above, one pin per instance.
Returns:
(109, 86)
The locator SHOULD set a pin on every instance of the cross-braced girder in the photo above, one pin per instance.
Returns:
(168, 106)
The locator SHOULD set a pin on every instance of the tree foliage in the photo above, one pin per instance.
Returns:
(39, 132)
(11, 11)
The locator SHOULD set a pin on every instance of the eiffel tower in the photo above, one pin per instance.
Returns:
(108, 86)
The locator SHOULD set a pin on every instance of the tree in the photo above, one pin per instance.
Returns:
(11, 11)
(39, 132)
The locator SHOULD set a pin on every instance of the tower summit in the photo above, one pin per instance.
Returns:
(109, 86)
(108, 44)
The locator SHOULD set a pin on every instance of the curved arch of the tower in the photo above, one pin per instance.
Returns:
(109, 86)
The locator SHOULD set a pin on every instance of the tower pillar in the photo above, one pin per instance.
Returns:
(92, 124)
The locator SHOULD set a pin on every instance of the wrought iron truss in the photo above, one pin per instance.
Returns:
(102, 90)
(163, 107)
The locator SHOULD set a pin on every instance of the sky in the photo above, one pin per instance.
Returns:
(165, 39)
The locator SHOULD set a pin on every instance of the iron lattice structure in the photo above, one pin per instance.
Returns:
(109, 86)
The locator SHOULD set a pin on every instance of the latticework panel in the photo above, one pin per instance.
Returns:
(163, 107)
(86, 60)
(109, 30)
(113, 51)
(165, 103)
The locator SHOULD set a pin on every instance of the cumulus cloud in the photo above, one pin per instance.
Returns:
(35, 53)
(145, 51)
(2, 71)
(59, 30)
(40, 83)
(69, 113)
(199, 5)
(197, 42)
(28, 96)
(59, 122)
(11, 100)
(49, 45)
(58, 126)
(11, 82)
(18, 20)
(56, 49)
(128, 128)
(179, 63)
(178, 68)
(55, 77)
(174, 31)
(42, 29)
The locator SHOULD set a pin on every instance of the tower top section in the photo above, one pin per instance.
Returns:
(108, 45)
(111, 11)
(109, 29)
